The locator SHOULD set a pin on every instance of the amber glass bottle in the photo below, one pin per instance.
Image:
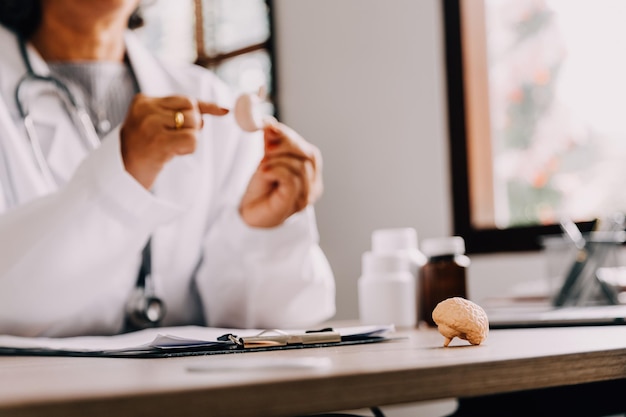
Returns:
(443, 276)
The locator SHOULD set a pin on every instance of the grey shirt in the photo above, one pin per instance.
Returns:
(106, 89)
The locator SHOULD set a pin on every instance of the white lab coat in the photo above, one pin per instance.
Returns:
(69, 254)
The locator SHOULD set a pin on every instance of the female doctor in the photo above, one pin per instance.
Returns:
(130, 198)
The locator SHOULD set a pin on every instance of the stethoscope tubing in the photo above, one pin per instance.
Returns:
(76, 112)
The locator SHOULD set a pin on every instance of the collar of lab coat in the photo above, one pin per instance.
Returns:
(63, 160)
(153, 79)
(51, 119)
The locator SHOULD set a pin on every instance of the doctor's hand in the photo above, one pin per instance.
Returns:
(287, 180)
(158, 129)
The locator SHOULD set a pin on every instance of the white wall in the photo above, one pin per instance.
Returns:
(365, 81)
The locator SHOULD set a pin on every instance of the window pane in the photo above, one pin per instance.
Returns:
(247, 73)
(552, 106)
(234, 24)
(169, 29)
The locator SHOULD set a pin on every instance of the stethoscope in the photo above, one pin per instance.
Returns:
(143, 309)
(79, 115)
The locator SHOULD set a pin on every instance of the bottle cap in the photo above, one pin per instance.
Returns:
(383, 263)
(454, 245)
(390, 240)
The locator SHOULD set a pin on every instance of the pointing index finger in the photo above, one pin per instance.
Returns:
(211, 108)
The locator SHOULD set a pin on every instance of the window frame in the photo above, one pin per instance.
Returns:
(209, 61)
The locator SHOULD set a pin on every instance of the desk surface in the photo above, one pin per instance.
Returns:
(296, 382)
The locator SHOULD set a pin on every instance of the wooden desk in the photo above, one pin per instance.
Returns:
(414, 369)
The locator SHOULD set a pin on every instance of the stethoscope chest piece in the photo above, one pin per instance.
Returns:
(144, 310)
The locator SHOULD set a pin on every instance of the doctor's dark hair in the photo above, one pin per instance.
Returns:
(24, 16)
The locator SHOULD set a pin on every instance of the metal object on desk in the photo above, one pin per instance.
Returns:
(582, 285)
(276, 337)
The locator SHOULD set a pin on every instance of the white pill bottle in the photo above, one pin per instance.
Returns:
(386, 290)
(402, 241)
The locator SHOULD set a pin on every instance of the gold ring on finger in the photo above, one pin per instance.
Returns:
(179, 119)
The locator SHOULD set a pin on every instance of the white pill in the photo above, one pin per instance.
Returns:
(247, 112)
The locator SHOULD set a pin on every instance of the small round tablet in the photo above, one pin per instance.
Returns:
(247, 112)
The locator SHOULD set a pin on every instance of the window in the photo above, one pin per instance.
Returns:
(535, 99)
(231, 37)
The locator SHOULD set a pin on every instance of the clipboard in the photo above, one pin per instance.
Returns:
(191, 341)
